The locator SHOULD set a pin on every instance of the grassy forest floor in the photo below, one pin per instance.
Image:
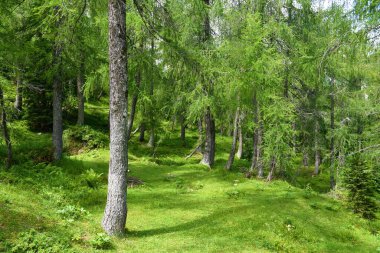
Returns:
(181, 207)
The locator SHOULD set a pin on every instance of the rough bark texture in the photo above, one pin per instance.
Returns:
(80, 84)
(134, 104)
(115, 213)
(332, 126)
(18, 101)
(209, 149)
(234, 141)
(4, 125)
(57, 105)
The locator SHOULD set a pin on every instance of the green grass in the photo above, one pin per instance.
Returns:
(182, 206)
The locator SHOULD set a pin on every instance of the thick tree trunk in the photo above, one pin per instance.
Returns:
(234, 140)
(115, 213)
(4, 125)
(332, 126)
(239, 153)
(209, 149)
(80, 85)
(151, 142)
(57, 105)
(183, 130)
(134, 104)
(142, 132)
(19, 88)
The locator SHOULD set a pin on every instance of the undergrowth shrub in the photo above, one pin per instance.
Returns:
(92, 179)
(101, 241)
(35, 242)
(72, 213)
(86, 136)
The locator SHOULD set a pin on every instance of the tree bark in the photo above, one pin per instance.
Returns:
(19, 88)
(6, 135)
(209, 149)
(239, 153)
(272, 170)
(80, 85)
(134, 104)
(183, 130)
(257, 140)
(142, 132)
(115, 213)
(332, 126)
(234, 140)
(151, 142)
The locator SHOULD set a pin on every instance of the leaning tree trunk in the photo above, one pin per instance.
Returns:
(115, 213)
(134, 104)
(4, 125)
(272, 169)
(80, 85)
(18, 102)
(234, 141)
(332, 126)
(209, 149)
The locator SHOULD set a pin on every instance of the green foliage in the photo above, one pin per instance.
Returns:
(87, 136)
(101, 241)
(71, 212)
(35, 242)
(360, 181)
(92, 179)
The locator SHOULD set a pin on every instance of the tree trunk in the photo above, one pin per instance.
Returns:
(272, 169)
(7, 138)
(239, 153)
(57, 105)
(257, 140)
(80, 85)
(234, 140)
(316, 148)
(200, 136)
(142, 132)
(332, 126)
(183, 130)
(115, 213)
(134, 104)
(151, 142)
(18, 102)
(209, 150)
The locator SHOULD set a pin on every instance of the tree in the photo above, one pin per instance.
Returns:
(115, 213)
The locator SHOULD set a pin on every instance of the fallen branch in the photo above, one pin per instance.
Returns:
(195, 150)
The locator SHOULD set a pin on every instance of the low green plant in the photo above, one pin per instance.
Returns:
(35, 242)
(87, 136)
(92, 179)
(101, 241)
(71, 212)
